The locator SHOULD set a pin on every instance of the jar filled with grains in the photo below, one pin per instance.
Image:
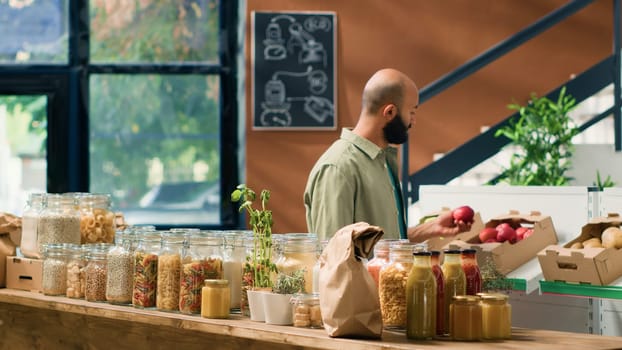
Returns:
(54, 279)
(76, 262)
(97, 221)
(202, 260)
(120, 270)
(234, 257)
(59, 221)
(145, 268)
(30, 220)
(95, 273)
(392, 284)
(169, 271)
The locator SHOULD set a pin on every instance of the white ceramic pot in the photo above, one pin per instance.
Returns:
(277, 308)
(255, 305)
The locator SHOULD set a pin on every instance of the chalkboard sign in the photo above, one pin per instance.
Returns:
(294, 70)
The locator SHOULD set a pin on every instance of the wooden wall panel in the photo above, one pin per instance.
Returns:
(425, 39)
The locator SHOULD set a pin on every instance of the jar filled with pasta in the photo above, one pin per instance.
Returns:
(30, 222)
(145, 279)
(392, 284)
(59, 221)
(97, 220)
(95, 272)
(54, 279)
(169, 271)
(76, 262)
(120, 270)
(202, 260)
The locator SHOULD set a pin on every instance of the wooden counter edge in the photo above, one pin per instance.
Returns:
(242, 327)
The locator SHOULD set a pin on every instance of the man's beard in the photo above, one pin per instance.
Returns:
(395, 132)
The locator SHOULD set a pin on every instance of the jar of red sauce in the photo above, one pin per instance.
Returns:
(471, 271)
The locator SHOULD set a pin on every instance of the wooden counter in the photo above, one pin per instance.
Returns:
(35, 321)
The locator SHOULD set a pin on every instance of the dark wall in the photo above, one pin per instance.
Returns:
(425, 39)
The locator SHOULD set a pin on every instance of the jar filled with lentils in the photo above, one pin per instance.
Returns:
(54, 279)
(145, 279)
(169, 271)
(202, 260)
(120, 270)
(76, 262)
(97, 220)
(59, 221)
(95, 273)
(392, 280)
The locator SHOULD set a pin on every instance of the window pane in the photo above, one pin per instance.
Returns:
(33, 31)
(154, 145)
(161, 31)
(23, 133)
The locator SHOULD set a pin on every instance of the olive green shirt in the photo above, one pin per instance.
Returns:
(350, 183)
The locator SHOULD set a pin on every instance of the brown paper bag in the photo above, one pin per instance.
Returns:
(349, 301)
(11, 224)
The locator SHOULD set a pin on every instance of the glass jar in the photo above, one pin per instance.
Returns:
(381, 257)
(54, 279)
(465, 317)
(120, 270)
(316, 267)
(59, 221)
(471, 272)
(440, 292)
(455, 280)
(215, 301)
(392, 284)
(202, 260)
(306, 311)
(76, 262)
(30, 221)
(169, 271)
(97, 220)
(144, 284)
(95, 273)
(234, 255)
(496, 316)
(299, 252)
(421, 298)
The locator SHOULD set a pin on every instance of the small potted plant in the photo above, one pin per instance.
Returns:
(259, 267)
(277, 305)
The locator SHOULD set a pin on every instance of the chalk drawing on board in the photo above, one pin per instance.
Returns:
(275, 108)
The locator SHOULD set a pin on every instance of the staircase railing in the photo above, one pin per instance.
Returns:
(486, 145)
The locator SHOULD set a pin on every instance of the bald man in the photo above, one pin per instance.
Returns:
(356, 179)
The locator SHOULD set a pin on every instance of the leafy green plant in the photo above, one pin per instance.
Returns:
(542, 134)
(601, 184)
(259, 265)
(290, 283)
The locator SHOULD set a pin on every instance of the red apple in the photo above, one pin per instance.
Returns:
(491, 240)
(464, 214)
(487, 234)
(505, 232)
(528, 233)
(520, 232)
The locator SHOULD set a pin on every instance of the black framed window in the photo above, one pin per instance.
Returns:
(135, 98)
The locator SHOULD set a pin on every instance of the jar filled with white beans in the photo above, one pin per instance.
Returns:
(120, 275)
(54, 279)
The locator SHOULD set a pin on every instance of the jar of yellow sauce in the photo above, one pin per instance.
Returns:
(496, 316)
(215, 299)
(465, 315)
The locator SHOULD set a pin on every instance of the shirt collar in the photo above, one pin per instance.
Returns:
(371, 149)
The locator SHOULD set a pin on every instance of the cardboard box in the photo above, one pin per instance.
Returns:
(24, 273)
(437, 243)
(508, 257)
(596, 266)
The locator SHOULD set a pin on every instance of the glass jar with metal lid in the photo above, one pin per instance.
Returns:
(465, 318)
(30, 221)
(97, 220)
(169, 271)
(381, 258)
(215, 299)
(306, 311)
(96, 271)
(120, 269)
(298, 252)
(234, 255)
(202, 260)
(76, 262)
(59, 221)
(144, 284)
(54, 279)
(496, 316)
(455, 280)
